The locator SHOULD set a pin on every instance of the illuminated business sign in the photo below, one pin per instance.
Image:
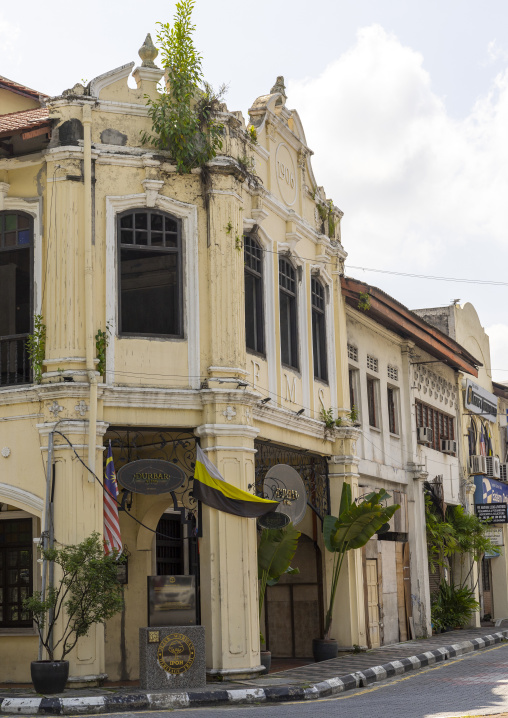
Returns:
(480, 401)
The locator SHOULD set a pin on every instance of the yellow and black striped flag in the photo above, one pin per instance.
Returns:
(211, 489)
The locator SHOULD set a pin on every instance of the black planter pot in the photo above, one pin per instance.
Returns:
(49, 676)
(324, 650)
(266, 660)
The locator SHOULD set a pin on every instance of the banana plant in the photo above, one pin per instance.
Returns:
(355, 525)
(275, 553)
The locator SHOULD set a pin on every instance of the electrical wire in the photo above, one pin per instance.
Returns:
(489, 282)
(127, 513)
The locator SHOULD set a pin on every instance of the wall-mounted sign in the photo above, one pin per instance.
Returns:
(150, 476)
(490, 491)
(496, 513)
(273, 520)
(171, 601)
(480, 401)
(283, 483)
(495, 535)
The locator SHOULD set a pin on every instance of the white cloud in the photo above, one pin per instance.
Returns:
(9, 35)
(422, 192)
(498, 335)
(495, 53)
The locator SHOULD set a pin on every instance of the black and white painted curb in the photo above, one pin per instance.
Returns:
(217, 696)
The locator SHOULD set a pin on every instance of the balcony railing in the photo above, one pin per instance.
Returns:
(14, 362)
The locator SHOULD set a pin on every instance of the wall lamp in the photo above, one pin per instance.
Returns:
(241, 385)
(300, 412)
(266, 400)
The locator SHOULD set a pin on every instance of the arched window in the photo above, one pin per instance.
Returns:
(319, 330)
(254, 317)
(16, 296)
(150, 273)
(288, 313)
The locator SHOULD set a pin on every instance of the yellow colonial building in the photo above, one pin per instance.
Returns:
(219, 294)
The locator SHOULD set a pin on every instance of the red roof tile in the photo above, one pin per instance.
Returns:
(20, 89)
(24, 120)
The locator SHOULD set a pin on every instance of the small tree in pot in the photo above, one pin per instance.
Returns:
(88, 592)
(355, 525)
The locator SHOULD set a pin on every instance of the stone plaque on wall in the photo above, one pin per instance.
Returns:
(171, 601)
(172, 657)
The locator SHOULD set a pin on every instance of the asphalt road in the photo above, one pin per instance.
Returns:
(473, 685)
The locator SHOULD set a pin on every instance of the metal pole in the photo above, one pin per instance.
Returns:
(47, 523)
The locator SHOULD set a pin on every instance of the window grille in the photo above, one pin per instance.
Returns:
(393, 373)
(442, 425)
(352, 352)
(372, 363)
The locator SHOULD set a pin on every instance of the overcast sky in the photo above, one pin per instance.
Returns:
(405, 104)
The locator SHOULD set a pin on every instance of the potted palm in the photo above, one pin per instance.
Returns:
(275, 553)
(356, 524)
(88, 592)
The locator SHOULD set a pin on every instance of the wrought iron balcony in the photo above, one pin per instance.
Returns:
(14, 362)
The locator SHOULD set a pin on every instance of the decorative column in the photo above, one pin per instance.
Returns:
(349, 619)
(228, 558)
(77, 512)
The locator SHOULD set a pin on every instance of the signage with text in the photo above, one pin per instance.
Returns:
(496, 513)
(150, 476)
(480, 401)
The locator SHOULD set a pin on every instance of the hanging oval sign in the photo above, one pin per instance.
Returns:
(284, 484)
(150, 476)
(273, 520)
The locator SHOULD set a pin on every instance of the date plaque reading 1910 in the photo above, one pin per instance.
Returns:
(171, 601)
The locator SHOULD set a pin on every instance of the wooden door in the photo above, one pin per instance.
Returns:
(373, 602)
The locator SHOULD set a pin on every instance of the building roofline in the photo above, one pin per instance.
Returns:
(19, 89)
(393, 315)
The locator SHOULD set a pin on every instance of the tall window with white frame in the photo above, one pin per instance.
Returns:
(319, 330)
(16, 296)
(288, 313)
(150, 274)
(372, 402)
(393, 417)
(254, 315)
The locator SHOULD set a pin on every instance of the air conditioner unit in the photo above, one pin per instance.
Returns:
(448, 446)
(477, 465)
(493, 467)
(424, 435)
(503, 472)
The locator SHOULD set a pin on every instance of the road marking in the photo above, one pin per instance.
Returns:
(414, 674)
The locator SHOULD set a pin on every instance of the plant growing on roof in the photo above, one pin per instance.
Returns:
(364, 302)
(101, 345)
(355, 525)
(36, 347)
(184, 115)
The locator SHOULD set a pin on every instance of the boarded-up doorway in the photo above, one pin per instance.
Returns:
(373, 602)
(293, 615)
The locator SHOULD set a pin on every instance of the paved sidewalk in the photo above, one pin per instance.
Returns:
(312, 681)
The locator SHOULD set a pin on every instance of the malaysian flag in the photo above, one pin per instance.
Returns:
(112, 539)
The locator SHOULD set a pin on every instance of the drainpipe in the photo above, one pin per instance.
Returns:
(89, 293)
(47, 524)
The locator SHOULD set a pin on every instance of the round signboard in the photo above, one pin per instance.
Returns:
(150, 476)
(176, 653)
(283, 483)
(273, 520)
